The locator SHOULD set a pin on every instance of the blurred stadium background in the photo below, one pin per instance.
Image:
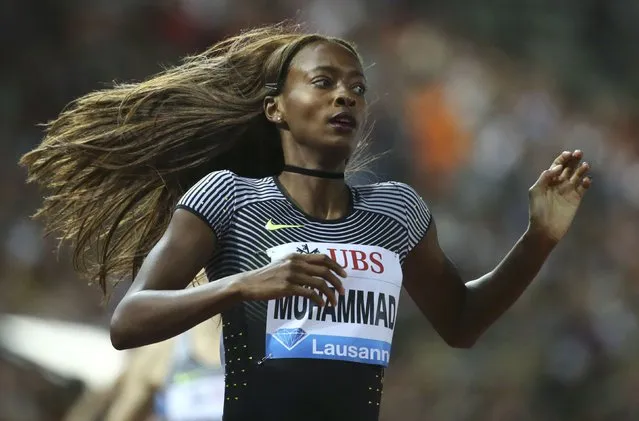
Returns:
(471, 98)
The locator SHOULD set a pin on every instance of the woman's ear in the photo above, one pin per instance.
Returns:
(272, 109)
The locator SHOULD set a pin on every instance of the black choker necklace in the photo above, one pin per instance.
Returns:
(313, 173)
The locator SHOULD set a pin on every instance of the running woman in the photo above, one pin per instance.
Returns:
(234, 161)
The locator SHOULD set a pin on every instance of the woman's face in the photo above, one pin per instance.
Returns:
(322, 104)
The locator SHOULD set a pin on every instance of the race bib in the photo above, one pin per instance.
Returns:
(359, 329)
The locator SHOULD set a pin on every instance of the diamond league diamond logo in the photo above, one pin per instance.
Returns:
(290, 338)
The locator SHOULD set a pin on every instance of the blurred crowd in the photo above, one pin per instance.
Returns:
(471, 104)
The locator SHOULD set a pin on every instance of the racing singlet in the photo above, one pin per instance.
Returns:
(288, 358)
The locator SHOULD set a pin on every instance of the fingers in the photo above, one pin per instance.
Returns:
(318, 271)
(583, 185)
(570, 164)
(320, 285)
(322, 259)
(548, 176)
(567, 168)
(564, 157)
(325, 273)
(575, 172)
(307, 293)
(579, 173)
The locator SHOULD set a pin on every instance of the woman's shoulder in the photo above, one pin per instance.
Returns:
(389, 190)
(229, 178)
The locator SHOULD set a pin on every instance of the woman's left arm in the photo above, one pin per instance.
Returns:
(460, 312)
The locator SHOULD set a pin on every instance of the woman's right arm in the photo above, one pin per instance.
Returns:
(157, 305)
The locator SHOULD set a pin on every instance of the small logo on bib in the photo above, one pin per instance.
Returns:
(305, 250)
(290, 338)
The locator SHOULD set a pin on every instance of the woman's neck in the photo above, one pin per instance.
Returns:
(320, 198)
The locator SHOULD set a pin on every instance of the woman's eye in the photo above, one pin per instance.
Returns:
(322, 82)
(359, 89)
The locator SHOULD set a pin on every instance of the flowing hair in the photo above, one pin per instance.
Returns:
(116, 161)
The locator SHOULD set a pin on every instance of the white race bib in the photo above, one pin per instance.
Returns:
(359, 329)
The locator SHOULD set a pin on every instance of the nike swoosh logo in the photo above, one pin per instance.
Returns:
(270, 226)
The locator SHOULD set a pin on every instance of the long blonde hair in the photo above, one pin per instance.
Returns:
(115, 162)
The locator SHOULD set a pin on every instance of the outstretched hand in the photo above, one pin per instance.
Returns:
(557, 194)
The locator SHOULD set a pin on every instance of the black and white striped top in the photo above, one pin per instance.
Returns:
(389, 215)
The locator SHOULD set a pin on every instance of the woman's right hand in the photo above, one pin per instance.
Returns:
(306, 275)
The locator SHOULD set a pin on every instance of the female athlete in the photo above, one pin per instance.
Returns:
(234, 161)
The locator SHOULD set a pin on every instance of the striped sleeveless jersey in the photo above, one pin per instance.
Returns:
(288, 358)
